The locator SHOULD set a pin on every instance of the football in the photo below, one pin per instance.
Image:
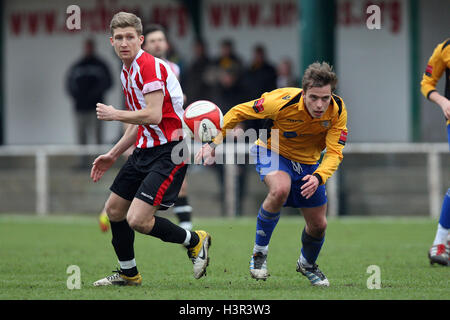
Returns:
(203, 120)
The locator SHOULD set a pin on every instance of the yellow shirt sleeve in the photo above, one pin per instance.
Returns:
(335, 141)
(265, 107)
(446, 56)
(439, 60)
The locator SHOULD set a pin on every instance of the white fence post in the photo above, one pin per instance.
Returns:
(434, 183)
(333, 195)
(230, 189)
(41, 183)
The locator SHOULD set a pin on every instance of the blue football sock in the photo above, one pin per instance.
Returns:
(265, 224)
(311, 247)
(444, 220)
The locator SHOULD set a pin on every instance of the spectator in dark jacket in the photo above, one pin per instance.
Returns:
(87, 82)
(198, 82)
(261, 74)
(260, 77)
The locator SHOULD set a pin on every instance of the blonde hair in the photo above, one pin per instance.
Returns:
(319, 75)
(125, 19)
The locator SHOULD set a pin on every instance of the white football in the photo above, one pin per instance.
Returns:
(203, 120)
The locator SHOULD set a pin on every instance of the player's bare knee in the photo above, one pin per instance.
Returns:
(279, 193)
(318, 227)
(139, 223)
(134, 222)
(322, 227)
(114, 212)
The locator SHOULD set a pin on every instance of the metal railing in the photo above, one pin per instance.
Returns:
(433, 151)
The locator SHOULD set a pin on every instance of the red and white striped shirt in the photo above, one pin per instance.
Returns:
(146, 74)
(174, 67)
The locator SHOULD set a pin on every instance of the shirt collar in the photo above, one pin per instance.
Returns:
(140, 52)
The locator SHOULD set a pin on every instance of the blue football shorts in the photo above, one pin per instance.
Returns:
(267, 161)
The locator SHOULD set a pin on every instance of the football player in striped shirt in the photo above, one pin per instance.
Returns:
(303, 122)
(155, 43)
(149, 180)
(437, 64)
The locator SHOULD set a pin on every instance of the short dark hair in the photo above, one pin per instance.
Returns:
(154, 27)
(319, 75)
(259, 48)
(227, 42)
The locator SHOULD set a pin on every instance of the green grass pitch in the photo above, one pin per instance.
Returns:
(36, 252)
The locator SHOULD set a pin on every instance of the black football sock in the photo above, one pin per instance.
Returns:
(167, 231)
(193, 241)
(182, 209)
(131, 272)
(123, 243)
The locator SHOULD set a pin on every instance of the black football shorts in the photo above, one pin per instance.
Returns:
(150, 175)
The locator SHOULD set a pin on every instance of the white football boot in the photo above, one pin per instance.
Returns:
(119, 279)
(314, 275)
(258, 266)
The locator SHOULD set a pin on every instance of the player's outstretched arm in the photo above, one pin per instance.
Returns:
(441, 101)
(151, 114)
(437, 64)
(103, 162)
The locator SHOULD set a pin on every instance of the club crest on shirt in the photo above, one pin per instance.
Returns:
(258, 105)
(429, 70)
(343, 138)
(325, 123)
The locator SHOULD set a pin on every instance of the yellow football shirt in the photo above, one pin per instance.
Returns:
(300, 137)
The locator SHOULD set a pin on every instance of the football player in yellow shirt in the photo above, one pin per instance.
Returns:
(304, 122)
(437, 64)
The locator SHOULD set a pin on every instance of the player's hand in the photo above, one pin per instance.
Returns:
(100, 165)
(310, 186)
(445, 106)
(105, 112)
(237, 131)
(206, 155)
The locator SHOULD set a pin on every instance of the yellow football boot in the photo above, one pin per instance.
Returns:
(199, 254)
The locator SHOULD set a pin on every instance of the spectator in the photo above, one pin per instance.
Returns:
(87, 82)
(229, 91)
(228, 77)
(228, 58)
(259, 77)
(285, 76)
(198, 81)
